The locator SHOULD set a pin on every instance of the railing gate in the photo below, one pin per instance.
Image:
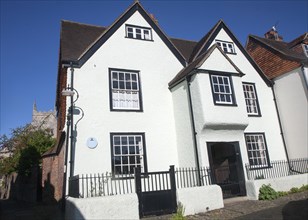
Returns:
(156, 192)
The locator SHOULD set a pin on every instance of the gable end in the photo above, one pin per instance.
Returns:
(116, 25)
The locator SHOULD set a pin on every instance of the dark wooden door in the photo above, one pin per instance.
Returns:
(227, 169)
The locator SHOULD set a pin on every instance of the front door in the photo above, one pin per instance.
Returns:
(227, 169)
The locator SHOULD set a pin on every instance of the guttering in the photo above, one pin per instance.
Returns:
(194, 129)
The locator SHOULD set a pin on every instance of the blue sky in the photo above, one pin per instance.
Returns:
(30, 33)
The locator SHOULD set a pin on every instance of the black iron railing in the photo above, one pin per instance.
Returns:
(95, 185)
(189, 177)
(106, 184)
(277, 169)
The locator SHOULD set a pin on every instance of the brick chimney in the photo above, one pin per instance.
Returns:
(272, 34)
(154, 19)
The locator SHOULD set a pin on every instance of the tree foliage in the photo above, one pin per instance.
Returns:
(25, 146)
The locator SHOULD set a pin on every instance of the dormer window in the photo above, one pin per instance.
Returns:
(305, 47)
(137, 32)
(227, 47)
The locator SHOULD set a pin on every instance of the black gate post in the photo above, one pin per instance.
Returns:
(173, 187)
(138, 190)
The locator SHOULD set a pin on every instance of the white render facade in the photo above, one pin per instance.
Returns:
(156, 66)
(143, 106)
(292, 95)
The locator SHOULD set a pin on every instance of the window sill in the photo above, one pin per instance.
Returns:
(138, 39)
(222, 104)
(260, 168)
(257, 116)
(126, 110)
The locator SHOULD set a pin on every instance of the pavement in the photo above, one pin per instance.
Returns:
(290, 207)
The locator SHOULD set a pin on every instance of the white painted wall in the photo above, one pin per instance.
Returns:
(278, 184)
(268, 123)
(200, 199)
(108, 207)
(183, 126)
(157, 66)
(291, 95)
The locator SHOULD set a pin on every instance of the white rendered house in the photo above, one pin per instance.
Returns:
(150, 101)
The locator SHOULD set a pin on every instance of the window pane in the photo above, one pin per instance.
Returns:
(128, 85)
(117, 150)
(131, 149)
(117, 160)
(116, 140)
(134, 86)
(114, 75)
(115, 84)
(118, 170)
(125, 160)
(132, 160)
(121, 76)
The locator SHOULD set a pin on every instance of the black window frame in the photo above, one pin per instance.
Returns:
(144, 155)
(137, 72)
(228, 43)
(136, 27)
(256, 100)
(231, 89)
(257, 166)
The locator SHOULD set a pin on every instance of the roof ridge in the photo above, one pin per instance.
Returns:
(79, 23)
(203, 41)
(176, 38)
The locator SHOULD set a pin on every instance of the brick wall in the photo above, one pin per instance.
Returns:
(61, 100)
(52, 176)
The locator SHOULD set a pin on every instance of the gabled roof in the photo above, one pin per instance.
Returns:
(204, 42)
(298, 40)
(282, 48)
(101, 35)
(76, 38)
(197, 63)
(186, 47)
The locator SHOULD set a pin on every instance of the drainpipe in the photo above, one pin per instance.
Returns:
(194, 130)
(65, 163)
(72, 118)
(305, 77)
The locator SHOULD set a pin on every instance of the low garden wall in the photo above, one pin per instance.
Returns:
(278, 184)
(200, 199)
(106, 207)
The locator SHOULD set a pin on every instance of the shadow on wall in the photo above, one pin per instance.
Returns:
(22, 188)
(72, 212)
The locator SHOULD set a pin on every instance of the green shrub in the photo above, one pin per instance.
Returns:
(179, 215)
(281, 193)
(303, 188)
(294, 190)
(266, 192)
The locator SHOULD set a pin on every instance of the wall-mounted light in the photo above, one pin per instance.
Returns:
(67, 92)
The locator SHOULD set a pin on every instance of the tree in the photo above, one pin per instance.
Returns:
(26, 146)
